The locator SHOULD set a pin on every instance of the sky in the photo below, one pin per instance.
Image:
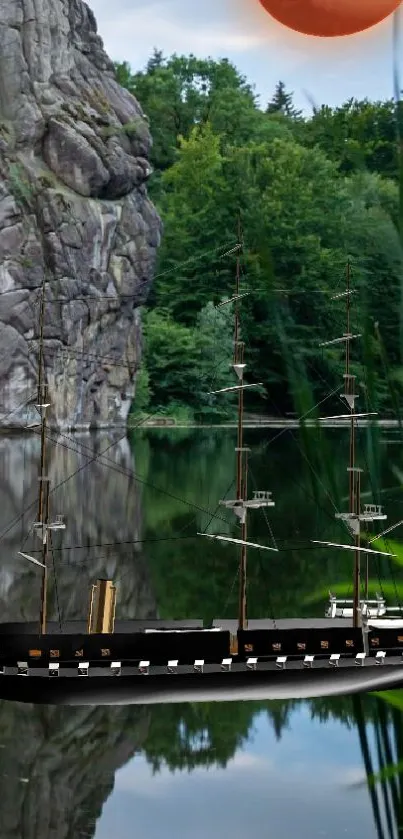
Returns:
(303, 786)
(319, 70)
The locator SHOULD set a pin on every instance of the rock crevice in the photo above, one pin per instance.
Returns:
(74, 150)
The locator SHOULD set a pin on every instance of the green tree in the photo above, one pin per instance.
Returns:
(357, 135)
(199, 228)
(183, 92)
(312, 193)
(290, 225)
(170, 359)
(216, 340)
(182, 365)
(143, 394)
(282, 103)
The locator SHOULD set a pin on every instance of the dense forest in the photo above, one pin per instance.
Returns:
(312, 193)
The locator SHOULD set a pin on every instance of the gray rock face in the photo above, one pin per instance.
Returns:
(74, 209)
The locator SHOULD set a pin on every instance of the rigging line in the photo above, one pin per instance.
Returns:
(55, 582)
(120, 470)
(67, 563)
(300, 449)
(119, 297)
(392, 575)
(390, 566)
(21, 406)
(218, 505)
(264, 512)
(388, 530)
(226, 604)
(57, 486)
(114, 466)
(302, 417)
(260, 556)
(122, 576)
(327, 493)
(32, 302)
(71, 351)
(111, 465)
(116, 544)
(130, 570)
(317, 405)
(293, 546)
(237, 525)
(306, 491)
(65, 353)
(194, 259)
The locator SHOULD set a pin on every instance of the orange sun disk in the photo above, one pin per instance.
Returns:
(330, 18)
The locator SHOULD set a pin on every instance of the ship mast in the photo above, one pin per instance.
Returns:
(241, 452)
(42, 526)
(372, 512)
(241, 505)
(354, 472)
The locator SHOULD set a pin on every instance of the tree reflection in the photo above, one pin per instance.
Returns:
(384, 765)
(198, 734)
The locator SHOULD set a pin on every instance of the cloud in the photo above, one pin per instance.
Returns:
(354, 776)
(136, 777)
(331, 70)
(131, 30)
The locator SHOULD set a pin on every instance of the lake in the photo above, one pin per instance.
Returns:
(132, 511)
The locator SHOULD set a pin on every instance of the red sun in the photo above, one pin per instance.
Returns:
(330, 18)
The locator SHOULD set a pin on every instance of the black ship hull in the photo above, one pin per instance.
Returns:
(156, 689)
(156, 662)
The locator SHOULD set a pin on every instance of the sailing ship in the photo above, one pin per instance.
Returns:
(104, 660)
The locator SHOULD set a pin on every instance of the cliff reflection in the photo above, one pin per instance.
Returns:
(57, 765)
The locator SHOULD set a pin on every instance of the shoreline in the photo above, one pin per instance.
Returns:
(264, 423)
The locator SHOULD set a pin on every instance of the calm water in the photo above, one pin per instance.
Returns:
(280, 769)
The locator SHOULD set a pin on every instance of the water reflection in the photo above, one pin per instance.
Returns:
(101, 502)
(291, 767)
(298, 786)
(382, 753)
(193, 579)
(57, 766)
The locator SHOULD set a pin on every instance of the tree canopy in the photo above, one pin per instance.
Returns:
(313, 193)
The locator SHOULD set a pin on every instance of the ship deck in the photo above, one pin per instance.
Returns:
(81, 627)
(134, 625)
(231, 625)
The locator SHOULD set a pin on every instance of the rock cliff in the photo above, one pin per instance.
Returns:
(73, 210)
